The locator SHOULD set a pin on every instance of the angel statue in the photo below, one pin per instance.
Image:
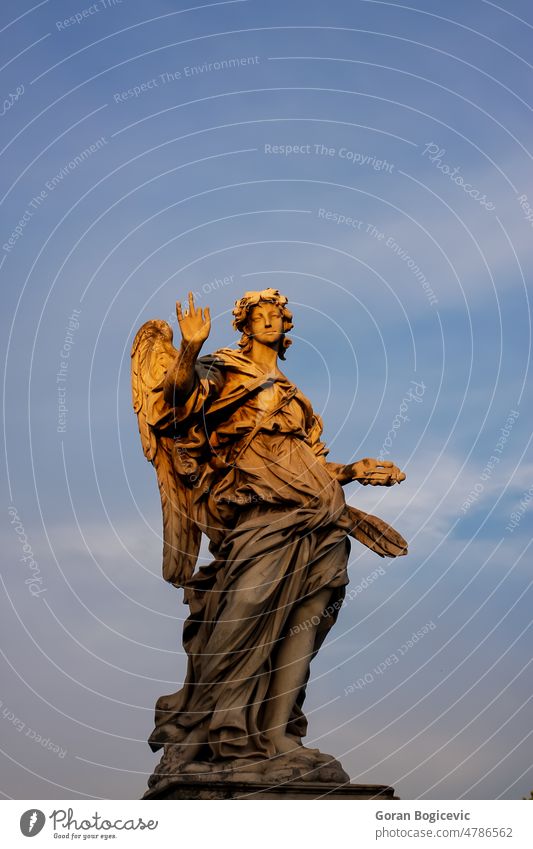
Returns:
(238, 454)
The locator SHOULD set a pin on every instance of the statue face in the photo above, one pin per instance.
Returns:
(265, 324)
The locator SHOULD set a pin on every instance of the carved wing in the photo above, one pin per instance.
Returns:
(376, 534)
(152, 354)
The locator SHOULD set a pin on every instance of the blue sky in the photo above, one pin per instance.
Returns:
(371, 160)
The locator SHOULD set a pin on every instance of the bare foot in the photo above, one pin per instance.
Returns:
(285, 744)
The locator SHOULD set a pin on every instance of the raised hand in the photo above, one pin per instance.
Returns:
(194, 323)
(376, 472)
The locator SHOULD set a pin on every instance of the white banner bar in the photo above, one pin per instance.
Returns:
(301, 824)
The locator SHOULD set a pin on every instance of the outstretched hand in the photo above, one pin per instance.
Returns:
(194, 323)
(376, 472)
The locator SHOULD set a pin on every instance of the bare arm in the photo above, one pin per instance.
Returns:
(367, 471)
(195, 325)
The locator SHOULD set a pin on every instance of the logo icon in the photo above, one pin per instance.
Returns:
(32, 822)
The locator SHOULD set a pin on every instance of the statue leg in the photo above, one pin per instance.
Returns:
(291, 665)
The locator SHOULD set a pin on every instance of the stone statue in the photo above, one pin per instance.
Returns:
(238, 454)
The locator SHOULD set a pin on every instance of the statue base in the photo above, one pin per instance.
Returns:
(191, 789)
(301, 774)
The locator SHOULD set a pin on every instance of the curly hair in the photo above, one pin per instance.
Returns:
(242, 311)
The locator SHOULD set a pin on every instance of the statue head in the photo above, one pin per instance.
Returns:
(244, 319)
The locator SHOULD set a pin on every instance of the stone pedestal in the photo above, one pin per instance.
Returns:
(202, 789)
(301, 774)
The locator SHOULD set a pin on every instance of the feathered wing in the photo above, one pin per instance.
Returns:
(152, 354)
(181, 535)
(376, 534)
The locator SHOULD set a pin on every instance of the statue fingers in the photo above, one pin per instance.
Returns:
(192, 308)
(380, 478)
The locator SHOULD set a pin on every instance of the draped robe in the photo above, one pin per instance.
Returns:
(277, 523)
